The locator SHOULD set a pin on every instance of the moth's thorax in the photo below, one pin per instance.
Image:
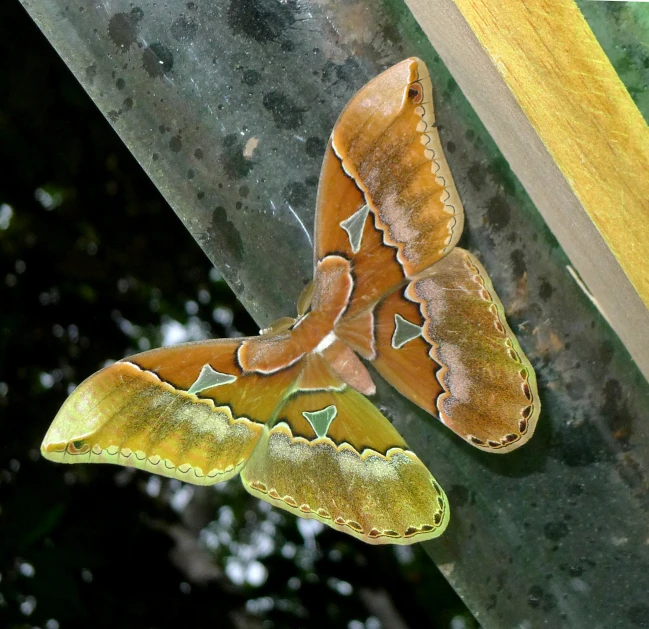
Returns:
(332, 290)
(314, 338)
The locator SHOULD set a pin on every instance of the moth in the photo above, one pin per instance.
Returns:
(287, 410)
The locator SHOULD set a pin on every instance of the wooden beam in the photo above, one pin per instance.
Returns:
(544, 88)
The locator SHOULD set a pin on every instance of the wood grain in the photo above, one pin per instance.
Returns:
(547, 93)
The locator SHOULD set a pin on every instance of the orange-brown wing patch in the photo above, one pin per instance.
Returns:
(252, 395)
(358, 333)
(188, 412)
(388, 144)
(317, 375)
(269, 353)
(402, 354)
(338, 198)
(490, 396)
(348, 367)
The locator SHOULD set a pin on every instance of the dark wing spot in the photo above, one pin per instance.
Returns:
(526, 391)
(415, 93)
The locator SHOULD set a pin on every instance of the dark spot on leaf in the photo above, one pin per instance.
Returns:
(175, 144)
(537, 597)
(233, 162)
(286, 114)
(315, 147)
(518, 262)
(222, 230)
(157, 60)
(501, 172)
(575, 571)
(391, 32)
(244, 191)
(198, 153)
(261, 20)
(606, 352)
(450, 147)
(184, 29)
(127, 104)
(631, 472)
(555, 531)
(498, 212)
(458, 496)
(123, 29)
(616, 413)
(451, 86)
(575, 490)
(545, 290)
(347, 72)
(91, 73)
(580, 445)
(120, 84)
(296, 195)
(639, 615)
(477, 175)
(251, 77)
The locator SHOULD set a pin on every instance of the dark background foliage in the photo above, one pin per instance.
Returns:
(93, 266)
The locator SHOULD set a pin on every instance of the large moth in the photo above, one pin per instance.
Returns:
(287, 410)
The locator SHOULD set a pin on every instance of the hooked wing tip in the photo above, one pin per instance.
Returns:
(53, 451)
(70, 429)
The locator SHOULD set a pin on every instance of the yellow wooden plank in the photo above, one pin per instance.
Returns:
(547, 93)
(565, 84)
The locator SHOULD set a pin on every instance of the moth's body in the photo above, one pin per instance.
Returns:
(326, 347)
(287, 409)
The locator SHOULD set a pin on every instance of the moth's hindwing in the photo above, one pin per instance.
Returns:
(444, 342)
(332, 456)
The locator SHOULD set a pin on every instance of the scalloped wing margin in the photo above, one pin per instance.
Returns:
(140, 413)
(473, 373)
(354, 472)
